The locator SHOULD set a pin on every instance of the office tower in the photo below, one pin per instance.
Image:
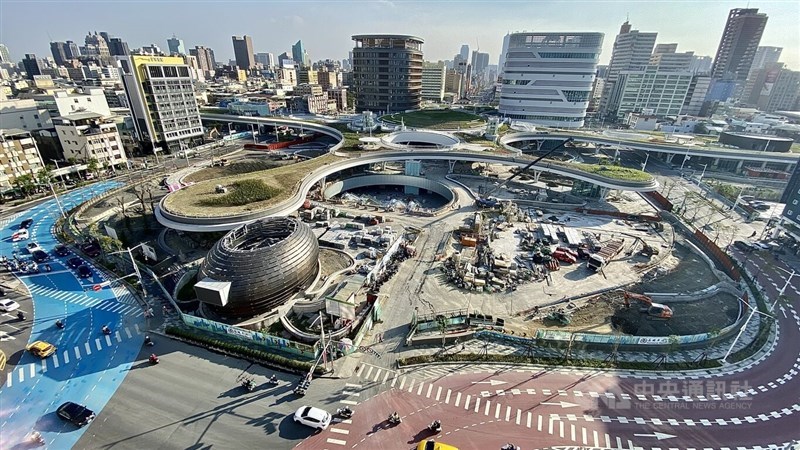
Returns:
(696, 95)
(175, 46)
(205, 57)
(480, 61)
(433, 76)
(243, 52)
(96, 46)
(387, 72)
(738, 45)
(162, 99)
(71, 50)
(285, 61)
(32, 65)
(464, 53)
(106, 37)
(265, 59)
(666, 57)
(118, 47)
(299, 54)
(59, 51)
(4, 55)
(766, 56)
(773, 88)
(632, 50)
(548, 77)
(700, 64)
(790, 220)
(660, 91)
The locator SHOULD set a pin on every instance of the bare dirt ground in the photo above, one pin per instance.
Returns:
(332, 261)
(235, 168)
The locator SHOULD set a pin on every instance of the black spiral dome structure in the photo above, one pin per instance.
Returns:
(266, 262)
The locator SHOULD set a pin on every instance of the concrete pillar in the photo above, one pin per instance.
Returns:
(739, 166)
(536, 174)
(715, 164)
(764, 165)
(789, 168)
(451, 164)
(604, 191)
(383, 166)
(669, 157)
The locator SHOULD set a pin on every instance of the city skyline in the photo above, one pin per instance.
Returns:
(326, 28)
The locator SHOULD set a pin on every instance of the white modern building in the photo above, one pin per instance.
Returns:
(433, 75)
(18, 156)
(23, 114)
(548, 77)
(62, 102)
(87, 135)
(660, 92)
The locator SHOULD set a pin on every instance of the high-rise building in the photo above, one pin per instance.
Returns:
(464, 53)
(773, 88)
(659, 91)
(162, 101)
(790, 220)
(118, 47)
(300, 55)
(71, 50)
(700, 64)
(548, 77)
(96, 45)
(243, 52)
(176, 46)
(738, 45)
(265, 59)
(766, 56)
(19, 155)
(307, 75)
(205, 57)
(4, 54)
(480, 61)
(151, 50)
(59, 51)
(433, 76)
(285, 61)
(632, 50)
(696, 95)
(387, 72)
(666, 57)
(32, 65)
(328, 79)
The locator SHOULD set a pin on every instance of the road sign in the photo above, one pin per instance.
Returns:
(97, 287)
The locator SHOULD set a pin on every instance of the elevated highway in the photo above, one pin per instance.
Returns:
(211, 224)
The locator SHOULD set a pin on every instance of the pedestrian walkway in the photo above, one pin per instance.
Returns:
(124, 304)
(64, 357)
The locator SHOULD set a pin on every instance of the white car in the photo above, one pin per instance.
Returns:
(8, 305)
(312, 417)
(32, 247)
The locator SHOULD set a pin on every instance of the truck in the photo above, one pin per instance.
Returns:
(599, 260)
(564, 257)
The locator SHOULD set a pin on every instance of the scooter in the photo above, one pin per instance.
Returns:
(299, 391)
(60, 324)
(153, 359)
(435, 426)
(106, 330)
(510, 446)
(394, 419)
(273, 380)
(249, 384)
(148, 342)
(21, 315)
(37, 438)
(345, 412)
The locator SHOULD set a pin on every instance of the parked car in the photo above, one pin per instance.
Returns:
(743, 246)
(61, 250)
(8, 305)
(75, 262)
(91, 248)
(84, 271)
(76, 414)
(41, 349)
(312, 417)
(40, 255)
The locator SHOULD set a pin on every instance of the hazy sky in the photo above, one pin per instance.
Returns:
(27, 26)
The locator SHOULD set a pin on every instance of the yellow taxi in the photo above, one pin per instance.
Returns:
(41, 349)
(430, 444)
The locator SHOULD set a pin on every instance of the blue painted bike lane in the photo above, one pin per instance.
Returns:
(88, 366)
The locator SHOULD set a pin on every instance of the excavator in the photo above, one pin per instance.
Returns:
(656, 311)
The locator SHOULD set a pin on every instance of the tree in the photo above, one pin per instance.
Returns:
(93, 165)
(44, 176)
(700, 128)
(141, 191)
(25, 184)
(122, 204)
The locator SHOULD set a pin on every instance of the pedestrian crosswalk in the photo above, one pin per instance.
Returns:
(124, 304)
(63, 357)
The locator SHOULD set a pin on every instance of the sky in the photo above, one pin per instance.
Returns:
(326, 27)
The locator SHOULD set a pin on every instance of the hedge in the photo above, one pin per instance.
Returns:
(244, 351)
(521, 359)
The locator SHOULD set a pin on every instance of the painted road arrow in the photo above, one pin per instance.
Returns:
(659, 436)
(561, 404)
(492, 382)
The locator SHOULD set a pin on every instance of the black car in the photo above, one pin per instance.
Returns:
(75, 262)
(25, 224)
(40, 255)
(61, 250)
(91, 248)
(743, 246)
(84, 271)
(78, 415)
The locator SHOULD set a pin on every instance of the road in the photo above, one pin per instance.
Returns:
(88, 366)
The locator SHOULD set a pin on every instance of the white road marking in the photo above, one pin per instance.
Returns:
(32, 368)
(497, 411)
(539, 423)
(428, 394)
(572, 432)
(402, 383)
(561, 429)
(97, 344)
(369, 372)
(458, 399)
(530, 416)
(44, 365)
(419, 390)
(354, 394)
(486, 409)
(386, 377)
(447, 397)
(348, 402)
(508, 413)
(438, 393)
(585, 439)
(116, 335)
(340, 431)
(519, 415)
(377, 375)
(550, 426)
(88, 348)
(128, 332)
(411, 387)
(336, 441)
(66, 357)
(477, 403)
(55, 360)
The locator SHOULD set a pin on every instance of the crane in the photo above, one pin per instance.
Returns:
(655, 310)
(488, 202)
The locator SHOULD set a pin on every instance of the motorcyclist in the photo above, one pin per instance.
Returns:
(273, 379)
(37, 437)
(106, 330)
(394, 417)
(60, 323)
(436, 425)
(147, 340)
(21, 315)
(153, 358)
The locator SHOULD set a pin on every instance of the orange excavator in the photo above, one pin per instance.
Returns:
(656, 311)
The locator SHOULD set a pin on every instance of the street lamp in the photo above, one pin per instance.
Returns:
(699, 180)
(685, 157)
(646, 157)
(135, 267)
(783, 289)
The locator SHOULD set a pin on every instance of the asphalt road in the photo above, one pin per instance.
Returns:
(192, 399)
